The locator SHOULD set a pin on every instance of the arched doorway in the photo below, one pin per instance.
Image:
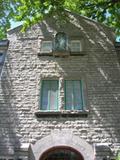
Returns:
(61, 153)
(64, 142)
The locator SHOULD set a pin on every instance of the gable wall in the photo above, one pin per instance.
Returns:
(24, 69)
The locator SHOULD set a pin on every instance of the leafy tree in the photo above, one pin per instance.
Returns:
(32, 11)
(118, 156)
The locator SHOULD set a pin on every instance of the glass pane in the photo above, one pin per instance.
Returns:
(75, 46)
(69, 95)
(60, 41)
(45, 95)
(49, 95)
(53, 95)
(46, 46)
(77, 96)
(2, 57)
(73, 95)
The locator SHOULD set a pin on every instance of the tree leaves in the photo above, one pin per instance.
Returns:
(33, 11)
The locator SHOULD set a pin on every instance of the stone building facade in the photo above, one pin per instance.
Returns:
(60, 92)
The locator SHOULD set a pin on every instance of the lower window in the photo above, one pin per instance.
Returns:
(74, 95)
(49, 95)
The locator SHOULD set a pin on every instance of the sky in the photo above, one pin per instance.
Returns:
(15, 24)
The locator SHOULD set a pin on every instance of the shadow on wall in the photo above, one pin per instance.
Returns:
(103, 73)
(9, 131)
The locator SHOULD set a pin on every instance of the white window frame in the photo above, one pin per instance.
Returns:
(46, 50)
(73, 49)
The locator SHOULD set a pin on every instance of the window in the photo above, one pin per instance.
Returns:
(61, 46)
(46, 46)
(49, 95)
(60, 41)
(73, 95)
(75, 46)
(1, 58)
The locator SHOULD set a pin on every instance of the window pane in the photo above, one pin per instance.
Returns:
(45, 95)
(2, 57)
(49, 95)
(75, 46)
(77, 96)
(46, 46)
(69, 95)
(60, 41)
(53, 95)
(73, 93)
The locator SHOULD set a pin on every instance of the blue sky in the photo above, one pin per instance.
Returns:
(15, 24)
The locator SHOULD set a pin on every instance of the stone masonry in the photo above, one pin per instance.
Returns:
(20, 87)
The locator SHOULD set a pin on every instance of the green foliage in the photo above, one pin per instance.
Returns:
(118, 156)
(32, 11)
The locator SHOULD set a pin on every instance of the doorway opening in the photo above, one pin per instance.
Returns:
(61, 153)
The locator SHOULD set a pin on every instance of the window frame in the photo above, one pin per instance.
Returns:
(61, 112)
(41, 97)
(81, 95)
(1, 58)
(46, 51)
(80, 45)
(57, 41)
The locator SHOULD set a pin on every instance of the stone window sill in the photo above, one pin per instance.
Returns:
(61, 54)
(41, 114)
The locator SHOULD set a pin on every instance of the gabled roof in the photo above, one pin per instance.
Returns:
(18, 28)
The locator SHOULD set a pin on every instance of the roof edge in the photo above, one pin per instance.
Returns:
(14, 29)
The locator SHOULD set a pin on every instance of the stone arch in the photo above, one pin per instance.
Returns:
(63, 139)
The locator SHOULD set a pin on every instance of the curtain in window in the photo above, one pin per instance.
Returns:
(73, 95)
(49, 99)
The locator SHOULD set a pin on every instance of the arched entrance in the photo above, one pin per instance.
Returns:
(61, 153)
(62, 144)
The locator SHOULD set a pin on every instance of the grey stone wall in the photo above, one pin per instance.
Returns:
(24, 70)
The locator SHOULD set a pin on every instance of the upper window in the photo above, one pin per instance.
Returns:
(61, 45)
(73, 95)
(60, 41)
(75, 46)
(46, 46)
(49, 95)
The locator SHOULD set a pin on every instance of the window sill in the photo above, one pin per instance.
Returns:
(77, 113)
(41, 53)
(61, 54)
